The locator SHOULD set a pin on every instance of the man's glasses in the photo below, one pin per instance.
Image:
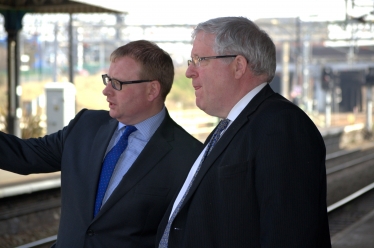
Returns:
(117, 85)
(196, 61)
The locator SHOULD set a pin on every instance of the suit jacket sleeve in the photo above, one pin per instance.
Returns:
(290, 179)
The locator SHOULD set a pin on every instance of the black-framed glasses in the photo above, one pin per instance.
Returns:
(196, 60)
(117, 85)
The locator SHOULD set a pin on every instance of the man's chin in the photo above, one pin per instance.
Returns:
(199, 105)
(112, 114)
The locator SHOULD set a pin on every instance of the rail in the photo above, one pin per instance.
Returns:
(350, 198)
(40, 243)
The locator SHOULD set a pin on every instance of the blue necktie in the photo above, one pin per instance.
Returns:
(109, 164)
(217, 133)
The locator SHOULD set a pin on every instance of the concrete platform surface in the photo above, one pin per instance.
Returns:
(359, 235)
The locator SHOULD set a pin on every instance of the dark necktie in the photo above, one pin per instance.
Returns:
(217, 133)
(109, 164)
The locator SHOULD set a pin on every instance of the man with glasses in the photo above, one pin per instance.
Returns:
(261, 179)
(119, 170)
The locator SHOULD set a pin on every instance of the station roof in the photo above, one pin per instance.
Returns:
(52, 6)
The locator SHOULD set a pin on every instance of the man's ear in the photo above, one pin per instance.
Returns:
(154, 90)
(240, 66)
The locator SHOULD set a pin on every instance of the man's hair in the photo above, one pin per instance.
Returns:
(240, 36)
(156, 64)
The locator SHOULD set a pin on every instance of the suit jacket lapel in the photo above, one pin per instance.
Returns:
(152, 153)
(229, 134)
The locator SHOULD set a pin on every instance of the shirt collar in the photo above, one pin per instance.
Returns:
(148, 126)
(239, 106)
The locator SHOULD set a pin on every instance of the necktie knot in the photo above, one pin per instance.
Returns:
(216, 135)
(128, 130)
(222, 126)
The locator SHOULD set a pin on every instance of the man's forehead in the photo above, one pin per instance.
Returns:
(124, 66)
(203, 43)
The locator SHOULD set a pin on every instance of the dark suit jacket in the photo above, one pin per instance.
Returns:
(132, 213)
(262, 185)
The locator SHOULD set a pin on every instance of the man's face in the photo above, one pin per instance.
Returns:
(130, 104)
(211, 80)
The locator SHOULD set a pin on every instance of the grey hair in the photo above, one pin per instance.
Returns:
(240, 36)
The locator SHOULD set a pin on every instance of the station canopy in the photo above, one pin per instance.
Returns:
(52, 6)
(13, 12)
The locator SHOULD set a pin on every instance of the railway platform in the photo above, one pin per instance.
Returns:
(12, 184)
(359, 235)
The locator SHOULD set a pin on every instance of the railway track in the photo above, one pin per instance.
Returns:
(350, 210)
(29, 217)
(348, 171)
(350, 188)
(42, 243)
(31, 220)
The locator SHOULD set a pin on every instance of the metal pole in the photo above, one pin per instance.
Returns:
(71, 61)
(14, 111)
(298, 61)
(13, 24)
(328, 108)
(305, 70)
(285, 70)
(55, 55)
(369, 109)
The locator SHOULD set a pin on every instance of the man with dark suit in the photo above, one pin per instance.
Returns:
(263, 183)
(126, 211)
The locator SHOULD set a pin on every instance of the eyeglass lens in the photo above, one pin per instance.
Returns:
(193, 61)
(115, 84)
